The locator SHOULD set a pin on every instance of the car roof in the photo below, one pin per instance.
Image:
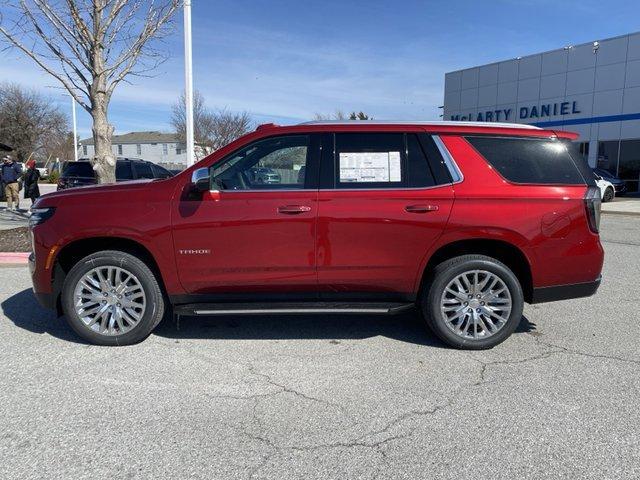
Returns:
(435, 127)
(424, 123)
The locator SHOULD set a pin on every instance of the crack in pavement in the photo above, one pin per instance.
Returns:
(368, 440)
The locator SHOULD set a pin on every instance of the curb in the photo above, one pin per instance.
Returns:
(14, 258)
(615, 212)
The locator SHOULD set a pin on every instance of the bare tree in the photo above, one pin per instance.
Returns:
(29, 122)
(90, 47)
(201, 119)
(212, 129)
(337, 115)
(359, 116)
(227, 126)
(61, 147)
(340, 115)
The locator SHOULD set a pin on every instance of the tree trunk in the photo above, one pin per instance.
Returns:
(104, 161)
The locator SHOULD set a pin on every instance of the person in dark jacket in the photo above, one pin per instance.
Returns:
(10, 173)
(31, 177)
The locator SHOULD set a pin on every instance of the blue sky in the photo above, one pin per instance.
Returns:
(284, 61)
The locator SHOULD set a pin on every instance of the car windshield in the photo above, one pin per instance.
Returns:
(78, 169)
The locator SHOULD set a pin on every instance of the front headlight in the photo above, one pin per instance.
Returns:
(40, 215)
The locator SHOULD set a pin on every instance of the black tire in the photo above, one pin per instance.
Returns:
(444, 273)
(608, 195)
(153, 313)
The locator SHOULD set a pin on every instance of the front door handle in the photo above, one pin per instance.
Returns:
(421, 208)
(293, 209)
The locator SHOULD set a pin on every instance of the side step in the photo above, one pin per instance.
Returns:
(283, 308)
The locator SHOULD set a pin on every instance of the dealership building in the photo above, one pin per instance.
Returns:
(592, 89)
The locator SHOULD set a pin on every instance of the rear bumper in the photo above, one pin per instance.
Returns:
(565, 292)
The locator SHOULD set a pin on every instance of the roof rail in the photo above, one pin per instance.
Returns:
(441, 123)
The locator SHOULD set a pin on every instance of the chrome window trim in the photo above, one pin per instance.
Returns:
(454, 170)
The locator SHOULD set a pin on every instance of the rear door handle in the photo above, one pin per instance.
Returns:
(421, 208)
(293, 209)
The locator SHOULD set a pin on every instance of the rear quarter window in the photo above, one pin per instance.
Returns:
(529, 160)
(78, 169)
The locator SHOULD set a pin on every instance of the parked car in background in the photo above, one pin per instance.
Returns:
(619, 186)
(607, 190)
(463, 221)
(264, 175)
(80, 173)
(44, 171)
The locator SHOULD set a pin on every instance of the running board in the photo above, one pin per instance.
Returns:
(280, 308)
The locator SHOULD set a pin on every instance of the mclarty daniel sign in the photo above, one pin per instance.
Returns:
(523, 113)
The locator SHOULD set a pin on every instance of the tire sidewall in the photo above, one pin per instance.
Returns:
(608, 195)
(431, 304)
(155, 305)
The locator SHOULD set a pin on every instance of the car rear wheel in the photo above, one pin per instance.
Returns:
(472, 302)
(112, 298)
(608, 195)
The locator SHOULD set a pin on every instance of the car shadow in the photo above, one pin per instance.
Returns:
(25, 312)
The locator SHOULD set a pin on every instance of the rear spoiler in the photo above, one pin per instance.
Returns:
(568, 135)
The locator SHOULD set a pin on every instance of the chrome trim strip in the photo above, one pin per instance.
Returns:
(455, 172)
(292, 310)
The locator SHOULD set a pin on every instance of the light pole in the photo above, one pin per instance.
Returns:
(75, 123)
(188, 80)
(75, 127)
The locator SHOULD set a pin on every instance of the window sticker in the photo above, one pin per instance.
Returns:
(360, 167)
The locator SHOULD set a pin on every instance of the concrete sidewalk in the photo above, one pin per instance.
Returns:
(12, 219)
(9, 220)
(622, 206)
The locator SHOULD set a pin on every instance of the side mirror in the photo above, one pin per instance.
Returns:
(201, 180)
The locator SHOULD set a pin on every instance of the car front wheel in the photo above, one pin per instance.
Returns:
(472, 302)
(112, 298)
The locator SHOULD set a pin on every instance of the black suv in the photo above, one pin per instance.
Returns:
(77, 174)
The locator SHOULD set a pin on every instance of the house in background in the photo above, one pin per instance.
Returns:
(162, 148)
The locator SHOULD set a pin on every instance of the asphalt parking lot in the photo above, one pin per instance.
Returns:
(329, 397)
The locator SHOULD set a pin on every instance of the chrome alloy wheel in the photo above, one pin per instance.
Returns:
(109, 300)
(476, 304)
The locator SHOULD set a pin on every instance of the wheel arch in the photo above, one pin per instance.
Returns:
(505, 252)
(74, 251)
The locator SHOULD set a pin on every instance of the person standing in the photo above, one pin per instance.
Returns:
(10, 173)
(31, 177)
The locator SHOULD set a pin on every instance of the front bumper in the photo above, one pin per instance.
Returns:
(620, 189)
(565, 292)
(46, 300)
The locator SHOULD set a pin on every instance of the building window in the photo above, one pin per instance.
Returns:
(629, 164)
(178, 151)
(608, 156)
(139, 149)
(119, 149)
(165, 149)
(583, 149)
(84, 149)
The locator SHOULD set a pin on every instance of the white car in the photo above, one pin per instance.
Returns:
(607, 191)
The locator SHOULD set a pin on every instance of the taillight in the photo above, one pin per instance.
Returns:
(592, 203)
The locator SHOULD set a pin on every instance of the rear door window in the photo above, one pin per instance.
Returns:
(123, 171)
(529, 160)
(78, 169)
(160, 172)
(370, 160)
(143, 170)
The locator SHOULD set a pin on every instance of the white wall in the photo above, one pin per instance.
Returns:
(603, 84)
(148, 151)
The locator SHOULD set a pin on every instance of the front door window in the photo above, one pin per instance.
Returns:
(277, 163)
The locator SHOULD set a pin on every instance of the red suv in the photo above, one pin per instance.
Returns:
(465, 221)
